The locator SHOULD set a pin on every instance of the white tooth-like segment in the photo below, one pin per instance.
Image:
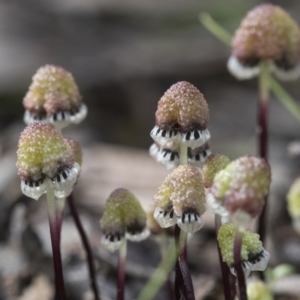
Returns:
(136, 237)
(286, 74)
(196, 138)
(240, 71)
(34, 189)
(260, 261)
(112, 242)
(166, 157)
(30, 118)
(165, 218)
(247, 268)
(64, 181)
(164, 137)
(190, 222)
(78, 116)
(199, 158)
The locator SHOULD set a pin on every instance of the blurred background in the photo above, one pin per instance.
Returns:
(124, 55)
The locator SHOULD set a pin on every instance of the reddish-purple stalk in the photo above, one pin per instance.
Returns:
(121, 272)
(55, 240)
(263, 152)
(223, 265)
(264, 94)
(183, 279)
(86, 245)
(242, 290)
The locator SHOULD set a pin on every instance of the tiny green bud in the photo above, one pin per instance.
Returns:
(258, 290)
(253, 255)
(182, 115)
(181, 199)
(53, 97)
(44, 160)
(213, 164)
(266, 33)
(123, 217)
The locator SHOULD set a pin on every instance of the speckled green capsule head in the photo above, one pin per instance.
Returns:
(213, 165)
(182, 116)
(253, 255)
(258, 290)
(266, 33)
(123, 217)
(44, 159)
(181, 199)
(53, 97)
(243, 185)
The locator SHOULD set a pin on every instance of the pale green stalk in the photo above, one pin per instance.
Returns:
(160, 275)
(285, 99)
(183, 154)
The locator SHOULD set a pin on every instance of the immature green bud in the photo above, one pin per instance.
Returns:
(170, 157)
(181, 117)
(242, 186)
(254, 257)
(53, 97)
(266, 33)
(293, 201)
(123, 217)
(258, 290)
(213, 164)
(181, 199)
(44, 159)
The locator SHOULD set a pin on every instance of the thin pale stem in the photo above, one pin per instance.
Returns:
(59, 280)
(264, 93)
(183, 154)
(86, 245)
(160, 275)
(285, 99)
(211, 25)
(224, 266)
(121, 271)
(59, 207)
(242, 290)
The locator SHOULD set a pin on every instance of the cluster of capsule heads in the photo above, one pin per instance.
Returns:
(47, 160)
(267, 33)
(181, 118)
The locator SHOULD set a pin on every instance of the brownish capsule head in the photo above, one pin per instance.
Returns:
(182, 108)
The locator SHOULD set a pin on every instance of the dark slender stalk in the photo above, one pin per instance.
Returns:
(224, 266)
(185, 273)
(55, 239)
(178, 283)
(238, 266)
(121, 272)
(264, 91)
(86, 245)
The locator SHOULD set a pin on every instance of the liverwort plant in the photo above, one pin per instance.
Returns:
(54, 98)
(181, 137)
(46, 165)
(123, 219)
(239, 190)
